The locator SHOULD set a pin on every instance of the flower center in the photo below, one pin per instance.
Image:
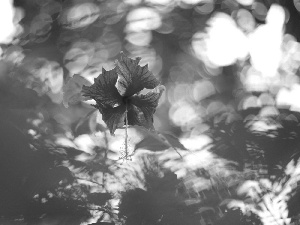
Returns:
(126, 100)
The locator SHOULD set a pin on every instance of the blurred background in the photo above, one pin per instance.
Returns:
(211, 55)
(231, 72)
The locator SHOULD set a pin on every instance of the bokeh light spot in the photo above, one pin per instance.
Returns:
(182, 114)
(245, 20)
(7, 25)
(250, 102)
(266, 99)
(259, 11)
(80, 15)
(139, 38)
(143, 18)
(205, 8)
(245, 2)
(202, 90)
(224, 43)
(75, 60)
(297, 4)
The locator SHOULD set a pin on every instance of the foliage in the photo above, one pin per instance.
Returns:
(194, 122)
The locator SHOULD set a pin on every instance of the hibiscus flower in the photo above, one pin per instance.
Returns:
(118, 96)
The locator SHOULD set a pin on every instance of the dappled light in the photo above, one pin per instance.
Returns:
(10, 17)
(130, 112)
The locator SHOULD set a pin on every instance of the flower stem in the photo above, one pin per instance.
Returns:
(126, 133)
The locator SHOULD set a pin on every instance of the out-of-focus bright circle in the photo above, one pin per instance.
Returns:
(245, 2)
(139, 38)
(265, 48)
(253, 81)
(266, 99)
(143, 18)
(202, 89)
(214, 108)
(205, 8)
(289, 42)
(259, 11)
(245, 20)
(55, 77)
(160, 2)
(283, 97)
(7, 21)
(250, 102)
(149, 57)
(80, 15)
(182, 114)
(132, 2)
(75, 60)
(289, 97)
(181, 91)
(191, 2)
(287, 15)
(14, 54)
(297, 4)
(86, 46)
(198, 44)
(225, 42)
(166, 27)
(268, 111)
(276, 16)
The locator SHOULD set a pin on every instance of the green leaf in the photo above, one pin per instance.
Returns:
(103, 91)
(132, 77)
(72, 90)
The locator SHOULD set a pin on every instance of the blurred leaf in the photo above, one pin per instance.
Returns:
(99, 198)
(72, 90)
(96, 123)
(173, 141)
(89, 124)
(72, 152)
(159, 142)
(152, 142)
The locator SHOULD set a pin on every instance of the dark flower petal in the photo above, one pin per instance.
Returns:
(103, 90)
(112, 116)
(147, 104)
(132, 77)
(136, 117)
